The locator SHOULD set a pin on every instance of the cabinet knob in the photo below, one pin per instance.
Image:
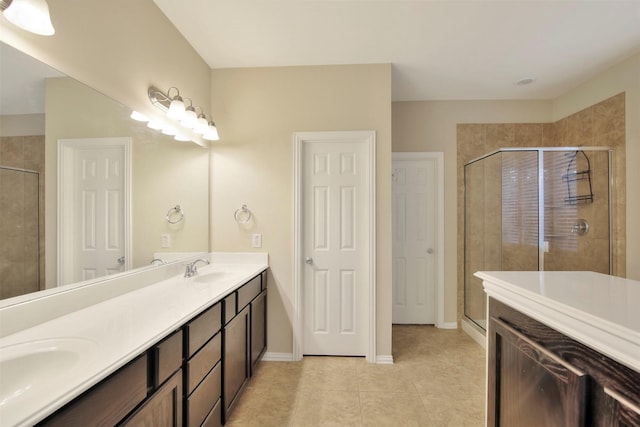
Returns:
(308, 260)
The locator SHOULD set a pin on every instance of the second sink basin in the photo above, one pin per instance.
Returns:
(28, 367)
(211, 276)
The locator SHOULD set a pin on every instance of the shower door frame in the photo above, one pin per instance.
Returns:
(541, 193)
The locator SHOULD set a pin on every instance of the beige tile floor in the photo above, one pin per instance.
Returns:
(437, 379)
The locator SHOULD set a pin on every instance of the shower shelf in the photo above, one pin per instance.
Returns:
(574, 176)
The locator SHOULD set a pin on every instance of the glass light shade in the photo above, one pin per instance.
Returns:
(201, 125)
(190, 118)
(139, 117)
(31, 15)
(176, 109)
(183, 138)
(154, 124)
(212, 133)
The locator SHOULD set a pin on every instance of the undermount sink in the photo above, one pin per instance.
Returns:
(28, 367)
(211, 276)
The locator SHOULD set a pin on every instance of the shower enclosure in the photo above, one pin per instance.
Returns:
(535, 209)
(19, 231)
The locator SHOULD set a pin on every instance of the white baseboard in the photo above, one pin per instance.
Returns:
(277, 357)
(384, 359)
(474, 332)
(448, 325)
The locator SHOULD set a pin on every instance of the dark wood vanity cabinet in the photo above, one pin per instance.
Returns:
(147, 391)
(539, 377)
(193, 377)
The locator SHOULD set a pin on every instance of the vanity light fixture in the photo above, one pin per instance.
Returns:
(30, 15)
(174, 106)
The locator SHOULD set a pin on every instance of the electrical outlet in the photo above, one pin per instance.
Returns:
(256, 240)
(166, 240)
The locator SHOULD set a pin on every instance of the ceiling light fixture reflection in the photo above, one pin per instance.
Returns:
(139, 117)
(30, 15)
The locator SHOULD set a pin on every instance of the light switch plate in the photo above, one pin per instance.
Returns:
(256, 240)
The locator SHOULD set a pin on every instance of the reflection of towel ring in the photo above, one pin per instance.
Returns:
(177, 213)
(242, 215)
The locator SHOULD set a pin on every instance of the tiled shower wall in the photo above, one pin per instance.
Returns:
(21, 258)
(602, 124)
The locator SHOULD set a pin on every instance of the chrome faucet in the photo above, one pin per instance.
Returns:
(192, 269)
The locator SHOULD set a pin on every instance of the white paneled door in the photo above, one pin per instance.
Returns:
(94, 215)
(336, 241)
(414, 240)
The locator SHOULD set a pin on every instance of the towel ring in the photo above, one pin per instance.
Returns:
(242, 215)
(175, 212)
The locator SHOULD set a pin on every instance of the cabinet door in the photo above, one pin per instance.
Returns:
(163, 408)
(533, 387)
(235, 360)
(258, 329)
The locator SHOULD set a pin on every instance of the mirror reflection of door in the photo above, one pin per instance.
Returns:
(93, 208)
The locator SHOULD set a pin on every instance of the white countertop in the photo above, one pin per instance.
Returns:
(601, 311)
(113, 332)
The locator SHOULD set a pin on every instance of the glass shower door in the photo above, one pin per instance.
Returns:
(576, 211)
(19, 232)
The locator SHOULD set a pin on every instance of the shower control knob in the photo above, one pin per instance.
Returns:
(308, 260)
(430, 251)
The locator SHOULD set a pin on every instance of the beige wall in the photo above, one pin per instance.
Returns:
(623, 77)
(257, 111)
(431, 126)
(165, 172)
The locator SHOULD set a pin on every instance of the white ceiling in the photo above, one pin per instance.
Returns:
(440, 50)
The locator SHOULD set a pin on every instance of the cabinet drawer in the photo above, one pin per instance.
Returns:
(248, 292)
(204, 397)
(202, 328)
(229, 307)
(109, 401)
(202, 362)
(214, 419)
(168, 356)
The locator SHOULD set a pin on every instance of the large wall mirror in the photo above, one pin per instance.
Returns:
(58, 227)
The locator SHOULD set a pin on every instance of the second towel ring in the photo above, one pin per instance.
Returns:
(242, 215)
(175, 215)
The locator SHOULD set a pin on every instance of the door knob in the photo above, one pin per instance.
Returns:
(121, 260)
(430, 251)
(308, 260)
